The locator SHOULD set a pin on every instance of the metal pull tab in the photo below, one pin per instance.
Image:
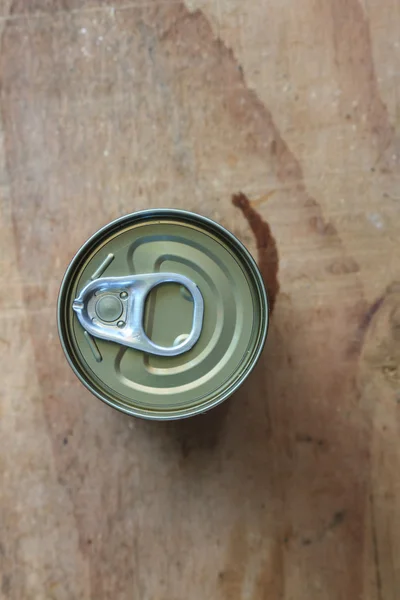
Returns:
(112, 308)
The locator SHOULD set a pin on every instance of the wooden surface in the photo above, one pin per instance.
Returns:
(291, 490)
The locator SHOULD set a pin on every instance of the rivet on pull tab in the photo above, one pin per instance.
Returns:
(112, 308)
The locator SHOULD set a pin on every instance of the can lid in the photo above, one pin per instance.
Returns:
(162, 314)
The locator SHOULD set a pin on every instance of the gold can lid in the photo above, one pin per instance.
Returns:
(162, 314)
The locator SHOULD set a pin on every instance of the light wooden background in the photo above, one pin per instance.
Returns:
(291, 490)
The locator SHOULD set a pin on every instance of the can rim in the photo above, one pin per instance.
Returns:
(188, 216)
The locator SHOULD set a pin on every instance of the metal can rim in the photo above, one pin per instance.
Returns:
(188, 216)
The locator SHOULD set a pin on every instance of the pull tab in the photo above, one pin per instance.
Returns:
(112, 308)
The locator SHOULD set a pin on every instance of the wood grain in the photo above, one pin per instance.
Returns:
(288, 490)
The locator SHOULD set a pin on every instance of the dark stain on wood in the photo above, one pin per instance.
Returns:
(373, 309)
(304, 438)
(306, 542)
(318, 225)
(378, 339)
(357, 343)
(337, 519)
(268, 259)
(344, 266)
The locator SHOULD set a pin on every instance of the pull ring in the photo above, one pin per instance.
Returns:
(112, 308)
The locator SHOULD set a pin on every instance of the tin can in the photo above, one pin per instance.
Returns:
(162, 314)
